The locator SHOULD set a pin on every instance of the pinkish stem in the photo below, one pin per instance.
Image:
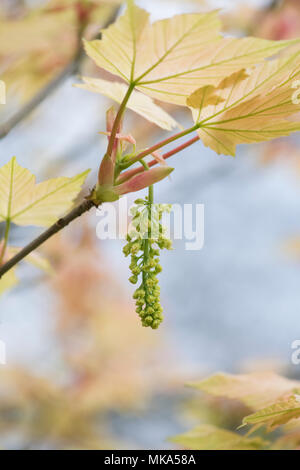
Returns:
(135, 171)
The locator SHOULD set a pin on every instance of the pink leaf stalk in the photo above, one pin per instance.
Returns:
(107, 168)
(135, 171)
(125, 137)
(159, 158)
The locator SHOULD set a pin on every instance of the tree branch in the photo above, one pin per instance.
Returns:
(85, 206)
(38, 99)
(71, 69)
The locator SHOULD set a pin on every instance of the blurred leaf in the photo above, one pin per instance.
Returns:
(138, 102)
(289, 441)
(36, 259)
(37, 44)
(219, 411)
(19, 36)
(277, 414)
(26, 203)
(169, 59)
(8, 281)
(208, 437)
(254, 390)
(28, 64)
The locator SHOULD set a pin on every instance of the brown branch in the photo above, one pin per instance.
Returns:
(85, 206)
(71, 69)
(37, 99)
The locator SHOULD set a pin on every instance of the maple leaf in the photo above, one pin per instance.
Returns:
(24, 202)
(249, 106)
(171, 58)
(138, 102)
(276, 414)
(254, 390)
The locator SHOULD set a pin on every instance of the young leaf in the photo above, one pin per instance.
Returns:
(208, 437)
(24, 202)
(138, 102)
(277, 414)
(171, 58)
(254, 390)
(249, 107)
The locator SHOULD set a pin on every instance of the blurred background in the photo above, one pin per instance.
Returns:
(81, 372)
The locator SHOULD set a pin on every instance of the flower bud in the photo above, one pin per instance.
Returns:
(143, 180)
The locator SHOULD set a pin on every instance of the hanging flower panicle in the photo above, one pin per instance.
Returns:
(145, 239)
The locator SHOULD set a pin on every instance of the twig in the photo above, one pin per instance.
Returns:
(37, 99)
(85, 206)
(69, 70)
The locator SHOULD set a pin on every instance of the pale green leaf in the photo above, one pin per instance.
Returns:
(171, 58)
(254, 390)
(249, 107)
(138, 102)
(277, 414)
(208, 437)
(24, 202)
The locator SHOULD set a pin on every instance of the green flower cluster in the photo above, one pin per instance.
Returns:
(145, 240)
